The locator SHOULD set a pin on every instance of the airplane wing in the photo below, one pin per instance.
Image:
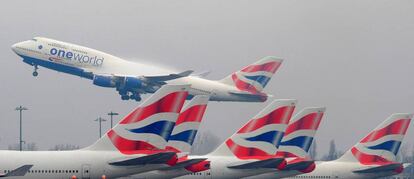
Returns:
(158, 158)
(130, 87)
(169, 77)
(185, 163)
(250, 96)
(299, 165)
(21, 171)
(260, 164)
(382, 168)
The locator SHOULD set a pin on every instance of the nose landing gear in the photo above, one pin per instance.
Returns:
(35, 73)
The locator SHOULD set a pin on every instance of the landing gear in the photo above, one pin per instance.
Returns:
(137, 97)
(35, 73)
(125, 97)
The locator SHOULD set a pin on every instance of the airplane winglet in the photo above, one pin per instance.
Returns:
(21, 171)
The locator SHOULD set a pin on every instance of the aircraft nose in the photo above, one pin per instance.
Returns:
(15, 47)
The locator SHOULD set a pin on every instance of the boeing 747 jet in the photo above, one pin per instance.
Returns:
(131, 79)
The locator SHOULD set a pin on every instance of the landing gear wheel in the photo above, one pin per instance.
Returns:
(35, 73)
(136, 97)
(125, 97)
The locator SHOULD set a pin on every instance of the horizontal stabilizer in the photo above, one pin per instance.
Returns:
(406, 165)
(382, 168)
(186, 163)
(268, 163)
(202, 74)
(169, 77)
(21, 171)
(159, 158)
(302, 165)
(251, 96)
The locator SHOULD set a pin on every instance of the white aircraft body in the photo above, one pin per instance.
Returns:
(373, 157)
(134, 145)
(131, 79)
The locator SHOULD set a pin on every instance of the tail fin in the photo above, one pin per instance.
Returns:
(380, 146)
(300, 133)
(260, 137)
(188, 122)
(254, 78)
(148, 126)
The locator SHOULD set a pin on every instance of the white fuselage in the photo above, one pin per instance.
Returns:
(85, 62)
(219, 169)
(83, 164)
(336, 169)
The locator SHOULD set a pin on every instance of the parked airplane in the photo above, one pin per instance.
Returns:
(373, 157)
(181, 141)
(296, 143)
(129, 79)
(133, 146)
(252, 150)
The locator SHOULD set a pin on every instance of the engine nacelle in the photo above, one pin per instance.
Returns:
(133, 83)
(104, 81)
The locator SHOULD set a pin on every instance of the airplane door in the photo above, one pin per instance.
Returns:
(86, 171)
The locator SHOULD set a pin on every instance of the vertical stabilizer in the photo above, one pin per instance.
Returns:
(380, 146)
(260, 137)
(186, 127)
(148, 126)
(254, 78)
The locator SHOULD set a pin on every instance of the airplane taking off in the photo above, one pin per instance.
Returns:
(252, 149)
(373, 157)
(130, 81)
(135, 145)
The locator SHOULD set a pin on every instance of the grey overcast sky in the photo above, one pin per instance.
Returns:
(354, 57)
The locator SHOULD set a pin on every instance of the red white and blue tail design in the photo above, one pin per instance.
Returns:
(381, 146)
(299, 137)
(186, 127)
(300, 133)
(254, 78)
(148, 127)
(260, 137)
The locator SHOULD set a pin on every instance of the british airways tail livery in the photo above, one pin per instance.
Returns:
(135, 145)
(252, 149)
(133, 79)
(374, 156)
(187, 125)
(296, 142)
(181, 141)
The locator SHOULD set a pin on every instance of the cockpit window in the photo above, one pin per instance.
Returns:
(34, 40)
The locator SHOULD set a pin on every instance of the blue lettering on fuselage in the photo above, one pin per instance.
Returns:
(80, 58)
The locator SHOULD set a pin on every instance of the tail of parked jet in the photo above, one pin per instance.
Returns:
(260, 137)
(378, 150)
(146, 129)
(299, 137)
(254, 78)
(186, 127)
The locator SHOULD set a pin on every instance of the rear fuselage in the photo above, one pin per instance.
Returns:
(64, 164)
